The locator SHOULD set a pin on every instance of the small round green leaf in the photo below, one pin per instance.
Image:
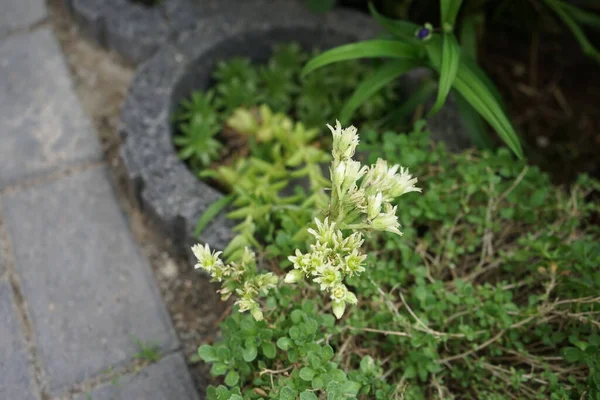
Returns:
(269, 349)
(284, 343)
(232, 378)
(249, 353)
(307, 374)
(308, 396)
(207, 353)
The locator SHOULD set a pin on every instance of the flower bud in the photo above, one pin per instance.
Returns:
(294, 276)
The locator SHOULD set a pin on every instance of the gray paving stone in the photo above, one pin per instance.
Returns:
(2, 262)
(15, 373)
(88, 289)
(169, 379)
(20, 14)
(42, 125)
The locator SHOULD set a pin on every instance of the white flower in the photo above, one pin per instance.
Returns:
(374, 205)
(265, 282)
(353, 263)
(326, 233)
(300, 261)
(344, 141)
(245, 303)
(248, 257)
(352, 242)
(387, 221)
(404, 183)
(340, 295)
(206, 260)
(294, 276)
(328, 277)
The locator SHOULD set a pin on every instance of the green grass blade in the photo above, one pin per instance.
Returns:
(449, 10)
(385, 74)
(420, 96)
(403, 29)
(582, 16)
(587, 47)
(468, 34)
(448, 67)
(475, 125)
(484, 78)
(211, 212)
(475, 92)
(366, 49)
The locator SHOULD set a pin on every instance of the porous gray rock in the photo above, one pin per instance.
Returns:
(89, 291)
(16, 376)
(168, 379)
(42, 124)
(163, 185)
(135, 30)
(16, 14)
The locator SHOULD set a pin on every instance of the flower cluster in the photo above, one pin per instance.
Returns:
(331, 258)
(361, 199)
(239, 277)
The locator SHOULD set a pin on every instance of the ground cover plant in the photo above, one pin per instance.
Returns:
(490, 293)
(276, 84)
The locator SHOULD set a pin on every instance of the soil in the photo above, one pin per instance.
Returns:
(101, 80)
(552, 92)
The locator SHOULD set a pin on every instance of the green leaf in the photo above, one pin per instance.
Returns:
(582, 16)
(376, 81)
(475, 92)
(449, 10)
(268, 349)
(211, 212)
(475, 125)
(232, 378)
(403, 29)
(333, 391)
(572, 354)
(307, 374)
(468, 34)
(367, 365)
(308, 396)
(317, 382)
(218, 369)
(587, 47)
(287, 393)
(327, 352)
(366, 49)
(249, 353)
(350, 388)
(207, 353)
(284, 343)
(447, 66)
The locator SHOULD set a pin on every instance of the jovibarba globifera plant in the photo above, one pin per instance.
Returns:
(360, 202)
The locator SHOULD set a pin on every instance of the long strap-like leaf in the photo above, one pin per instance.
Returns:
(366, 49)
(385, 74)
(475, 92)
(447, 65)
(402, 29)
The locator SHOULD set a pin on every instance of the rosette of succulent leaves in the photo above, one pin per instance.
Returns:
(360, 202)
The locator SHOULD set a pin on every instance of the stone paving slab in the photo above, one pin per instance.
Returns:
(42, 124)
(16, 14)
(88, 289)
(16, 379)
(169, 379)
(2, 262)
